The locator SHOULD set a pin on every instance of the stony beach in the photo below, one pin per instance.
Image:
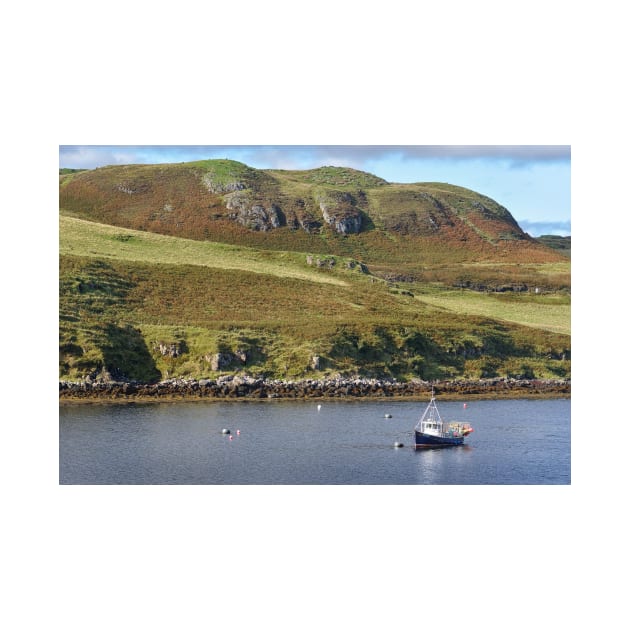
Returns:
(250, 388)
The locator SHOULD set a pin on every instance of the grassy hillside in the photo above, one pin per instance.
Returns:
(84, 238)
(401, 230)
(560, 243)
(546, 312)
(147, 306)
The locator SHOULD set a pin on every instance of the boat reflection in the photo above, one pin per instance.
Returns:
(441, 447)
(435, 463)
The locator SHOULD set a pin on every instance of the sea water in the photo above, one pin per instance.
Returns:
(311, 442)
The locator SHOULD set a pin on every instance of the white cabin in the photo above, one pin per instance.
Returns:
(431, 422)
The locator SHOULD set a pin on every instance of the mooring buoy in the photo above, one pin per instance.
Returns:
(398, 444)
(225, 431)
(388, 415)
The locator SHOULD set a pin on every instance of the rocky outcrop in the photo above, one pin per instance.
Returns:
(327, 262)
(250, 387)
(348, 224)
(309, 224)
(252, 215)
(219, 361)
(172, 350)
(223, 360)
(353, 264)
(340, 212)
(217, 187)
(338, 209)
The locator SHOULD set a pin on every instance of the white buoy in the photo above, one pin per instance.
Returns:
(238, 431)
(398, 444)
(388, 415)
(225, 431)
(319, 407)
(231, 438)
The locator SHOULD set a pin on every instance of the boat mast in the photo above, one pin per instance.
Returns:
(431, 413)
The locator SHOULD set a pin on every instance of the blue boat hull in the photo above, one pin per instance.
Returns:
(422, 439)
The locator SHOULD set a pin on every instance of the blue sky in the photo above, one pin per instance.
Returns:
(532, 181)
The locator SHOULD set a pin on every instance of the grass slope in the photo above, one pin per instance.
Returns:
(561, 244)
(85, 238)
(148, 306)
(546, 312)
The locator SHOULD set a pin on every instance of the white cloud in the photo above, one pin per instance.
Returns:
(513, 153)
(538, 228)
(289, 156)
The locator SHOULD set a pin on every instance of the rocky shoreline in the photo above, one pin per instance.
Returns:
(249, 388)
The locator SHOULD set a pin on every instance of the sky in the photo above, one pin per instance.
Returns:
(532, 181)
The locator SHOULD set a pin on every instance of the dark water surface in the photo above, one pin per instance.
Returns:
(291, 442)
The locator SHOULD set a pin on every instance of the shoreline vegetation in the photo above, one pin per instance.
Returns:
(249, 388)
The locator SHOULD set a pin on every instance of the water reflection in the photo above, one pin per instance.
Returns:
(440, 465)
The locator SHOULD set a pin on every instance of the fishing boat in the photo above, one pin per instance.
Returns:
(431, 430)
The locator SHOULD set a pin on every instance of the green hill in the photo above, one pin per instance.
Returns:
(559, 243)
(213, 267)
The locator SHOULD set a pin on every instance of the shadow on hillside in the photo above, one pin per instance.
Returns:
(126, 354)
(367, 224)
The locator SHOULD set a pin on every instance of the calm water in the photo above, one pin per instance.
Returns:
(282, 442)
